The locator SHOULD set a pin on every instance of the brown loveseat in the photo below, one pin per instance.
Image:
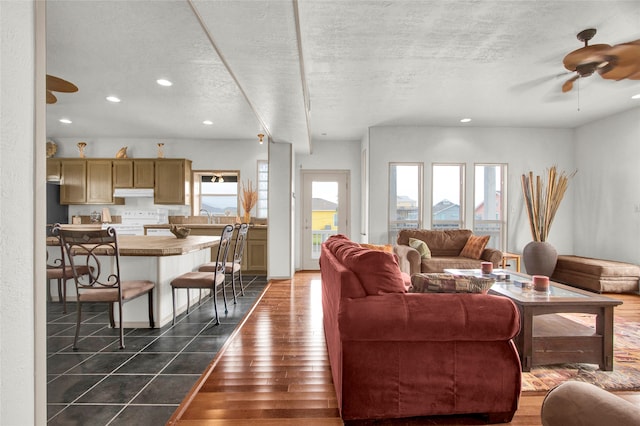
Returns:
(397, 354)
(445, 246)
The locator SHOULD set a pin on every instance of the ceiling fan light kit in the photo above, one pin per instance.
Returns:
(618, 62)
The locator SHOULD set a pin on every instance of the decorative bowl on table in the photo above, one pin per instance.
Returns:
(180, 231)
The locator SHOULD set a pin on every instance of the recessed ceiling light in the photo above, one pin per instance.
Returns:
(163, 82)
(114, 99)
(65, 121)
(207, 122)
(465, 120)
(636, 96)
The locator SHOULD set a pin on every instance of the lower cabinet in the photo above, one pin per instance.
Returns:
(255, 252)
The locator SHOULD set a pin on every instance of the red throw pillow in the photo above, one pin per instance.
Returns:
(377, 270)
(475, 246)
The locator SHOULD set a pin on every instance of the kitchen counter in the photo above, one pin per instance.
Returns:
(143, 245)
(254, 260)
(199, 226)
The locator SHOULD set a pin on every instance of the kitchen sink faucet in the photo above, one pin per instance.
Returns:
(208, 215)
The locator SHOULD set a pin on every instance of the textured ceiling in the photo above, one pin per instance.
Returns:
(311, 70)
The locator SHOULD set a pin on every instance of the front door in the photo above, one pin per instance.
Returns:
(325, 211)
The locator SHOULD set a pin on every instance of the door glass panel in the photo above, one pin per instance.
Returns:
(488, 215)
(324, 214)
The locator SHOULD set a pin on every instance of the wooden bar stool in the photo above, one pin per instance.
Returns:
(206, 280)
(98, 250)
(235, 266)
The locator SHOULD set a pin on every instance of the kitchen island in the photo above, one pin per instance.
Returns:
(254, 261)
(159, 259)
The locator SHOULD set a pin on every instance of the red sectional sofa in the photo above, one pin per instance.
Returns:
(397, 354)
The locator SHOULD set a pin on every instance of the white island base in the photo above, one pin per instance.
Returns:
(161, 270)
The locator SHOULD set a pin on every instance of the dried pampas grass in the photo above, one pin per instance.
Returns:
(542, 199)
(249, 197)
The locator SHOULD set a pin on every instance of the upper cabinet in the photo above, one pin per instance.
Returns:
(92, 181)
(172, 181)
(99, 182)
(133, 173)
(53, 170)
(85, 181)
(73, 181)
(144, 173)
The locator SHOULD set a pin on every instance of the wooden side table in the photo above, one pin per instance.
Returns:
(506, 257)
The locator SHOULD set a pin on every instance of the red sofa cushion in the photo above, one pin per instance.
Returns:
(434, 317)
(378, 271)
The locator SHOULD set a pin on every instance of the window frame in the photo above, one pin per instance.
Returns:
(462, 182)
(393, 226)
(196, 176)
(262, 206)
(500, 242)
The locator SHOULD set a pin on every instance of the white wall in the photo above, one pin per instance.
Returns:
(282, 204)
(607, 199)
(22, 367)
(240, 155)
(331, 155)
(523, 149)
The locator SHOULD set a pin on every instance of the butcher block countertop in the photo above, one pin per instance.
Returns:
(198, 226)
(142, 245)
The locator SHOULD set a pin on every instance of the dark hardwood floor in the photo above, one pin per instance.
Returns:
(275, 369)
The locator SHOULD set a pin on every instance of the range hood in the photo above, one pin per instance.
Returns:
(133, 192)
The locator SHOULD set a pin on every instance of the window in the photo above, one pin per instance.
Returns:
(263, 188)
(447, 195)
(405, 198)
(489, 214)
(215, 193)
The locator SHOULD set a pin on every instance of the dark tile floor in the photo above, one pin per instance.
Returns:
(144, 383)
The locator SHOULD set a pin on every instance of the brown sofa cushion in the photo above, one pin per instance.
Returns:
(448, 242)
(598, 267)
(474, 246)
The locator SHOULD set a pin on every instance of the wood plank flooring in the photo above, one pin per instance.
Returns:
(275, 369)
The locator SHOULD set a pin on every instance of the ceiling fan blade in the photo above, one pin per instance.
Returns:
(57, 84)
(584, 55)
(51, 99)
(568, 85)
(624, 61)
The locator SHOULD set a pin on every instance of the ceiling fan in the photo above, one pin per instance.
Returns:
(611, 62)
(56, 84)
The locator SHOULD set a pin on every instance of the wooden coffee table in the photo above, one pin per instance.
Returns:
(548, 338)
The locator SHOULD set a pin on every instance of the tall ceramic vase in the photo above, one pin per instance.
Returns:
(539, 258)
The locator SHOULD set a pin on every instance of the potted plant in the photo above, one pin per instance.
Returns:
(542, 199)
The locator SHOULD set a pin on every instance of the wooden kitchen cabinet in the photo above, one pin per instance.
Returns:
(54, 172)
(123, 173)
(255, 254)
(73, 181)
(99, 182)
(133, 173)
(144, 173)
(172, 181)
